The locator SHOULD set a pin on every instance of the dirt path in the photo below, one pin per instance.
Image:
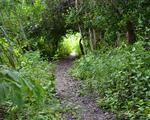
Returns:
(67, 89)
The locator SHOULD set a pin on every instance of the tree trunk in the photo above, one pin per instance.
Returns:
(94, 39)
(81, 47)
(76, 4)
(91, 39)
(131, 37)
(117, 42)
(100, 36)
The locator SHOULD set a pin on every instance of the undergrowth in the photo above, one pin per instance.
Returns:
(120, 77)
(29, 91)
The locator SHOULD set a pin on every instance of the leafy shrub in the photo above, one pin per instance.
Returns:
(40, 72)
(15, 88)
(121, 79)
(11, 85)
(32, 87)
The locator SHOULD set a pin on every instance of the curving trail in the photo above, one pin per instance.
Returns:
(67, 89)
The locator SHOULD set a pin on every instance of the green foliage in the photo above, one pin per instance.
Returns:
(26, 80)
(110, 18)
(27, 23)
(121, 79)
(20, 19)
(40, 73)
(31, 88)
(17, 16)
(11, 86)
(9, 53)
(37, 70)
(69, 44)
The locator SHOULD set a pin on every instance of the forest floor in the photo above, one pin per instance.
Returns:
(68, 91)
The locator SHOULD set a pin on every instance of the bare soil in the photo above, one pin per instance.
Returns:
(68, 91)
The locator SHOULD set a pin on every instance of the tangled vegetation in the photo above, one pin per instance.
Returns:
(120, 77)
(113, 37)
(30, 87)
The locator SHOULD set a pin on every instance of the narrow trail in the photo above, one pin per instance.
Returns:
(67, 89)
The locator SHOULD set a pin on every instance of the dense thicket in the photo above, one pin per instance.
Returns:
(120, 73)
(26, 81)
(99, 22)
(116, 70)
(41, 24)
(120, 78)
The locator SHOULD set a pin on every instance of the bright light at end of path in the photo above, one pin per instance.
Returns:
(73, 54)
